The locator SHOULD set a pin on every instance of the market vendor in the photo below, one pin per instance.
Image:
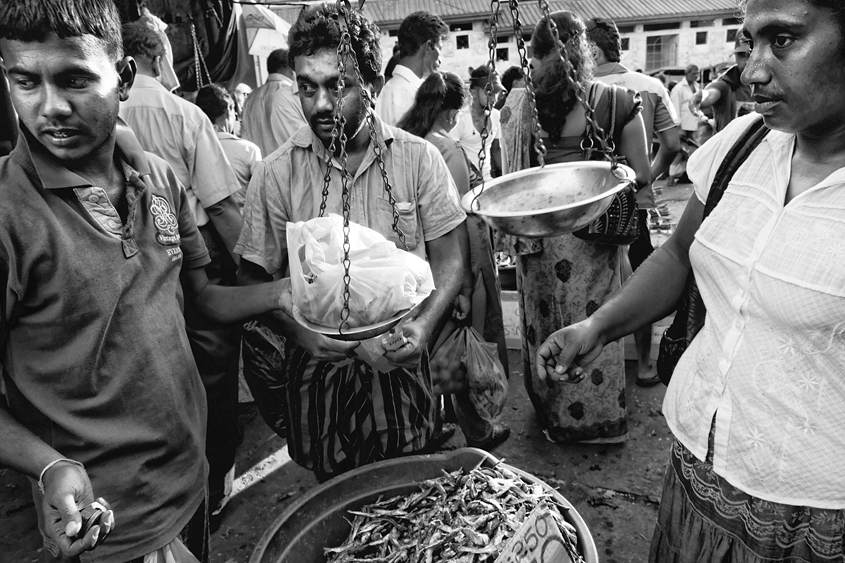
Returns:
(381, 414)
(104, 397)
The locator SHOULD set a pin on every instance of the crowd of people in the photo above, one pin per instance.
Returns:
(145, 265)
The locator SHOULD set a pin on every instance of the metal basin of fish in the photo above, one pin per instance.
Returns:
(319, 519)
(549, 201)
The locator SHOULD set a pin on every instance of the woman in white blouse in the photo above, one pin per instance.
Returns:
(757, 402)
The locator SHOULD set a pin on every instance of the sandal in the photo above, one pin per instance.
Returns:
(500, 434)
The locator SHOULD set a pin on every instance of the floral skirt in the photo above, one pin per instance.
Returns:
(704, 519)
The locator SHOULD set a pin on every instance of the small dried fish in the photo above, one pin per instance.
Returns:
(458, 517)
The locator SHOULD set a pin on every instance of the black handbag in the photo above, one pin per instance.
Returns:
(690, 313)
(618, 225)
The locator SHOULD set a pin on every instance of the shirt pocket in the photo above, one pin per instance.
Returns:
(407, 223)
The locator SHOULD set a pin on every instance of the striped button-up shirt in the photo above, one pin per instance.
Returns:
(769, 362)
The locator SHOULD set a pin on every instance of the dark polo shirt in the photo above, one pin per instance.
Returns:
(94, 351)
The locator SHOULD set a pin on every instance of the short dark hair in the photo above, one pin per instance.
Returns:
(439, 92)
(479, 77)
(511, 75)
(34, 20)
(417, 29)
(213, 100)
(141, 40)
(605, 35)
(318, 28)
(277, 61)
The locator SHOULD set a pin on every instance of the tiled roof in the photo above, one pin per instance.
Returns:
(389, 13)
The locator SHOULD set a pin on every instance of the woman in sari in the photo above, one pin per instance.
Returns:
(564, 279)
(434, 113)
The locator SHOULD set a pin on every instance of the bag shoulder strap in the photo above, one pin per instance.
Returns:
(739, 152)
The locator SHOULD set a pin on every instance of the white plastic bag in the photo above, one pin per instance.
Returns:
(384, 279)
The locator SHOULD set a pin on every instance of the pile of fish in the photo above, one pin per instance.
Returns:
(461, 518)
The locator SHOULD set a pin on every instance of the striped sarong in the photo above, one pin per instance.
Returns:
(344, 415)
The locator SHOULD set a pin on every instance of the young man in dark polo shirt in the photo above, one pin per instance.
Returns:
(104, 397)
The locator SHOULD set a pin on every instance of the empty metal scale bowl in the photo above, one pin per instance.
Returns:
(554, 200)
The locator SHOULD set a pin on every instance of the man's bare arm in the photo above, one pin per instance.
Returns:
(227, 305)
(226, 218)
(446, 258)
(281, 320)
(670, 145)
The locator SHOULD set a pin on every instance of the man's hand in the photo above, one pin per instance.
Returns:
(417, 332)
(461, 307)
(66, 488)
(695, 101)
(322, 348)
(578, 343)
(285, 302)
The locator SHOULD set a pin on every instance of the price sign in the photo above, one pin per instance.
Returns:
(538, 541)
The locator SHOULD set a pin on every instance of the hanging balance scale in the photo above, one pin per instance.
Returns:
(345, 53)
(553, 199)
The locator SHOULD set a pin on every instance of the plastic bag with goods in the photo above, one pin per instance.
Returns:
(488, 385)
(385, 280)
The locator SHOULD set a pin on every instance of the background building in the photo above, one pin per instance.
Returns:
(656, 34)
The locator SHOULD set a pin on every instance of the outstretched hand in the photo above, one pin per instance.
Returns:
(66, 489)
(565, 354)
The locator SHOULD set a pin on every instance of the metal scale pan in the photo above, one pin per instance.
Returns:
(549, 201)
(351, 334)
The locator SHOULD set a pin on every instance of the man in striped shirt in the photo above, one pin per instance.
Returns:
(344, 412)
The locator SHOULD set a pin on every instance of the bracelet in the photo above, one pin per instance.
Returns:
(51, 464)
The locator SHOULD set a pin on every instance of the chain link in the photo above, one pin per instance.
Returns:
(376, 142)
(488, 90)
(339, 141)
(594, 130)
(199, 62)
(539, 145)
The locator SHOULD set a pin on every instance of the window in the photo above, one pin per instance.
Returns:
(466, 26)
(661, 51)
(701, 38)
(393, 33)
(730, 37)
(626, 43)
(731, 21)
(462, 41)
(625, 28)
(503, 39)
(661, 26)
(526, 37)
(502, 54)
(702, 23)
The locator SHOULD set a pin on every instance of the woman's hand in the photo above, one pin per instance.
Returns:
(579, 344)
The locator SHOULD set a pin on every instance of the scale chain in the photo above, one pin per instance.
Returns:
(594, 129)
(377, 149)
(539, 145)
(339, 141)
(488, 89)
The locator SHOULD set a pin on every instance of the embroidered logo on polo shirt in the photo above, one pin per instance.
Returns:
(165, 222)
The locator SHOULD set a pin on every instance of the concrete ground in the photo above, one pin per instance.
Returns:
(615, 488)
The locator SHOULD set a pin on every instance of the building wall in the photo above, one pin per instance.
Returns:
(715, 51)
